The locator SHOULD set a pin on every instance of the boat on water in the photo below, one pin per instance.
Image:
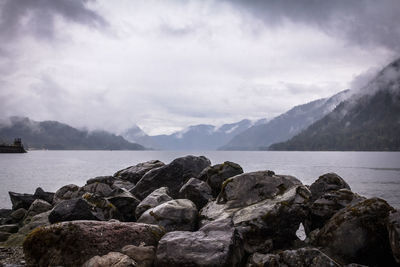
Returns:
(17, 147)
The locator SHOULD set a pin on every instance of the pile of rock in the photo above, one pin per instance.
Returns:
(189, 213)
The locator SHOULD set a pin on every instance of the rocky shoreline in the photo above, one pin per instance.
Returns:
(192, 213)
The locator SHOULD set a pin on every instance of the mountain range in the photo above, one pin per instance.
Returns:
(56, 135)
(367, 121)
(364, 119)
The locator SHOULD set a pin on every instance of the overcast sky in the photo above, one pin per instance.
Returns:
(165, 65)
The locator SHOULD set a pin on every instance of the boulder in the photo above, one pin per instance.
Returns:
(156, 198)
(134, 173)
(112, 259)
(173, 176)
(303, 257)
(174, 215)
(119, 183)
(393, 228)
(325, 183)
(19, 201)
(38, 206)
(143, 255)
(70, 210)
(18, 214)
(216, 244)
(197, 191)
(5, 213)
(265, 208)
(125, 203)
(67, 192)
(99, 189)
(36, 221)
(101, 208)
(322, 209)
(358, 234)
(46, 196)
(217, 174)
(73, 243)
(108, 180)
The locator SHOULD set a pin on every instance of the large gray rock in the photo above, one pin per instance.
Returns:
(217, 244)
(174, 215)
(43, 195)
(71, 210)
(37, 207)
(99, 189)
(125, 203)
(327, 205)
(217, 174)
(9, 228)
(173, 176)
(73, 243)
(134, 173)
(67, 192)
(393, 228)
(325, 183)
(303, 257)
(101, 208)
(197, 191)
(19, 201)
(112, 259)
(36, 221)
(156, 198)
(143, 255)
(108, 180)
(264, 207)
(358, 234)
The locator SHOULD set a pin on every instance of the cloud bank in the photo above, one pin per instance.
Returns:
(168, 64)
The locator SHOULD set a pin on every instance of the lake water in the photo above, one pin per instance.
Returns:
(367, 173)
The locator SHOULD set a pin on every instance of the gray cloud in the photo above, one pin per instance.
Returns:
(365, 22)
(37, 17)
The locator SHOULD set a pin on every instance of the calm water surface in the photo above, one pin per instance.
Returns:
(368, 173)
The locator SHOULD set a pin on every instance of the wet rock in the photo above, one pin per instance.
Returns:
(216, 244)
(123, 184)
(156, 198)
(108, 180)
(217, 174)
(174, 215)
(325, 183)
(112, 259)
(126, 204)
(327, 205)
(37, 207)
(18, 214)
(101, 208)
(70, 210)
(173, 176)
(99, 189)
(46, 196)
(134, 173)
(19, 201)
(393, 228)
(303, 257)
(67, 192)
(264, 208)
(73, 243)
(358, 234)
(9, 228)
(197, 191)
(143, 255)
(36, 221)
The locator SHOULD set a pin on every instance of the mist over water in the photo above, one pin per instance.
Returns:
(368, 173)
